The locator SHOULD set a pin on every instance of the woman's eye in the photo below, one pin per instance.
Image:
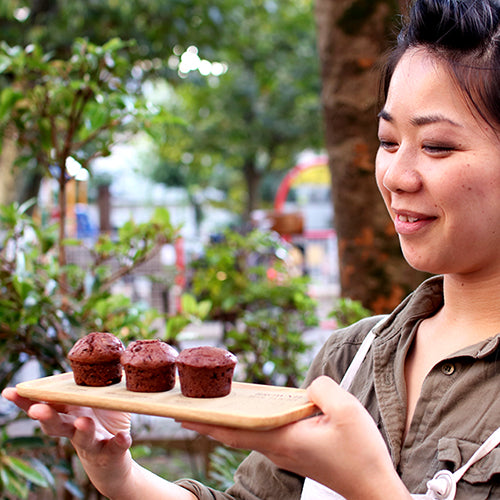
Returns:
(388, 145)
(438, 149)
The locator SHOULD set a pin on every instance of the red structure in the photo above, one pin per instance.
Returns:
(317, 239)
(318, 162)
(291, 176)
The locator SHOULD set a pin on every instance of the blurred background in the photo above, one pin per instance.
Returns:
(201, 172)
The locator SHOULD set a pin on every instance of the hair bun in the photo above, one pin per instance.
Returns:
(462, 24)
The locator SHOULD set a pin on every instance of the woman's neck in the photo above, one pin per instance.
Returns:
(472, 306)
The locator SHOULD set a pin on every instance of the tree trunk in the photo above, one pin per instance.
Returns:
(7, 174)
(352, 36)
(252, 182)
(104, 205)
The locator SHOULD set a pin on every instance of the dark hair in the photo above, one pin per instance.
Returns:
(465, 35)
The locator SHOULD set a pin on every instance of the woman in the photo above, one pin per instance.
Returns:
(424, 398)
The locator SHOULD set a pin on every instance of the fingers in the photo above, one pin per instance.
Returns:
(84, 435)
(259, 440)
(338, 408)
(89, 445)
(99, 436)
(52, 422)
(121, 442)
(322, 389)
(11, 394)
(223, 434)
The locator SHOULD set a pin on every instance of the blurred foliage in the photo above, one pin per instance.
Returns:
(73, 109)
(41, 316)
(191, 311)
(16, 473)
(70, 91)
(347, 311)
(154, 25)
(223, 464)
(263, 307)
(252, 120)
(67, 106)
(60, 109)
(243, 123)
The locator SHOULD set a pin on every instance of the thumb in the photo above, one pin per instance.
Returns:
(121, 442)
(87, 440)
(327, 395)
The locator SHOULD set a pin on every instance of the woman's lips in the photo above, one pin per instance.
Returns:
(406, 224)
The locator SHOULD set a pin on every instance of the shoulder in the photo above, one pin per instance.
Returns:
(353, 335)
(336, 355)
(340, 348)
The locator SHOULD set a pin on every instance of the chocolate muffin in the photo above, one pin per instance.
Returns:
(95, 359)
(149, 366)
(205, 372)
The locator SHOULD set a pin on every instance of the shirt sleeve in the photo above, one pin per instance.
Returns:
(257, 478)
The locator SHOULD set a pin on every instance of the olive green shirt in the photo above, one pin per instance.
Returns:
(459, 407)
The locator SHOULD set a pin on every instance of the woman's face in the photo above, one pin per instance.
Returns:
(438, 169)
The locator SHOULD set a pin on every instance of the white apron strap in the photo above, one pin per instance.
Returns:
(313, 490)
(443, 486)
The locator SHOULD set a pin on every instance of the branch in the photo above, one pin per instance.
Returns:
(96, 132)
(78, 104)
(124, 270)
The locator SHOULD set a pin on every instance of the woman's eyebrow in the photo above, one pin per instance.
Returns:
(429, 119)
(420, 120)
(385, 115)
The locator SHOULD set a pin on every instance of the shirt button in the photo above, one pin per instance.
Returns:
(448, 368)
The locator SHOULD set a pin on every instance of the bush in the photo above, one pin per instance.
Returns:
(263, 308)
(347, 311)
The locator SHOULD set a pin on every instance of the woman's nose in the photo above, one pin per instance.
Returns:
(400, 172)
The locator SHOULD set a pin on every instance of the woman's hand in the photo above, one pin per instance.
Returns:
(101, 438)
(59, 420)
(341, 448)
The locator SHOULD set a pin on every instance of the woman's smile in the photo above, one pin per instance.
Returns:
(407, 223)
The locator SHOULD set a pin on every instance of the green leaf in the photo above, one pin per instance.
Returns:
(5, 63)
(188, 303)
(204, 308)
(25, 470)
(161, 216)
(114, 44)
(13, 485)
(140, 451)
(23, 442)
(44, 128)
(8, 98)
(44, 471)
(24, 207)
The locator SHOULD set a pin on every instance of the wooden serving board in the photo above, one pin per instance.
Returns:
(249, 406)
